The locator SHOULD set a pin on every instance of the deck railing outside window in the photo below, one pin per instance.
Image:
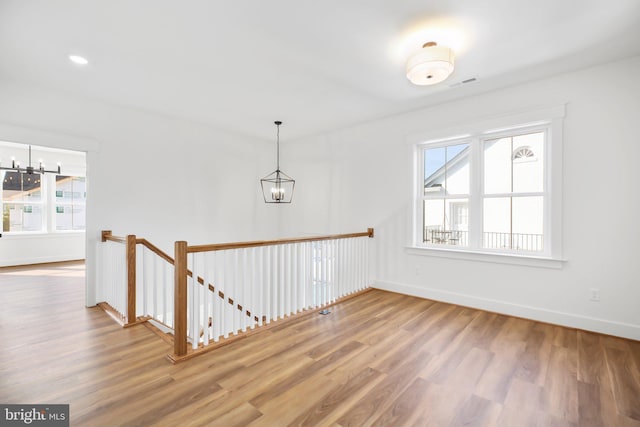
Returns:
(491, 240)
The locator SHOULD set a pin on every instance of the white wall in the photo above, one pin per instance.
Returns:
(160, 178)
(39, 248)
(360, 177)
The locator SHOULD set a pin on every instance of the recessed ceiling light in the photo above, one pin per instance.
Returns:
(80, 60)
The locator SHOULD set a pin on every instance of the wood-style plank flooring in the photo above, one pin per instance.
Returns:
(378, 359)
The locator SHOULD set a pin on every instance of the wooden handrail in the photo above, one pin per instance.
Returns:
(238, 245)
(106, 235)
(153, 248)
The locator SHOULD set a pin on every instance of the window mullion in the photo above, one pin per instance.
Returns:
(475, 195)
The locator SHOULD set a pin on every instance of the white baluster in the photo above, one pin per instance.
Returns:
(362, 264)
(195, 302)
(217, 316)
(233, 293)
(206, 275)
(332, 270)
(280, 280)
(295, 306)
(167, 309)
(223, 287)
(325, 272)
(267, 263)
(240, 300)
(273, 281)
(286, 280)
(352, 266)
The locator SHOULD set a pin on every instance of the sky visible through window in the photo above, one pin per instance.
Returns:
(435, 158)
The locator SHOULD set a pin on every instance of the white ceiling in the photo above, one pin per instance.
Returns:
(316, 65)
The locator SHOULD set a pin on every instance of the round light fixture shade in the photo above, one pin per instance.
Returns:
(431, 65)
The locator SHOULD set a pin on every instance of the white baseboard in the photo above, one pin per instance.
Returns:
(609, 327)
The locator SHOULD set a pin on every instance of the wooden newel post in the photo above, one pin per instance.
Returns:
(180, 300)
(131, 279)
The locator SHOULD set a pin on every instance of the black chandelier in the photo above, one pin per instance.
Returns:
(30, 170)
(277, 187)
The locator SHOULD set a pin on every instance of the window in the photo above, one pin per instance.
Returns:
(21, 202)
(513, 196)
(489, 192)
(41, 203)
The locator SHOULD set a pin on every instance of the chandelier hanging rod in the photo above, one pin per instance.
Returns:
(277, 123)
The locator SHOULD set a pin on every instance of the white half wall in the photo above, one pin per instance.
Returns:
(39, 248)
(362, 177)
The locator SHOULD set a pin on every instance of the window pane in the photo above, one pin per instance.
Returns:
(528, 163)
(446, 170)
(496, 223)
(527, 223)
(446, 221)
(19, 217)
(497, 166)
(70, 199)
(457, 169)
(18, 187)
(70, 189)
(79, 189)
(434, 179)
(70, 217)
(513, 223)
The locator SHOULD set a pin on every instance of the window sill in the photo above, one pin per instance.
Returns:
(39, 234)
(512, 259)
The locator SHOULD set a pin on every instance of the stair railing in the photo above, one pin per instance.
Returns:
(210, 295)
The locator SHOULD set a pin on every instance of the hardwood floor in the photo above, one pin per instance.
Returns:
(378, 359)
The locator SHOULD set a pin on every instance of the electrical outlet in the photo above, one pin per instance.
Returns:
(594, 294)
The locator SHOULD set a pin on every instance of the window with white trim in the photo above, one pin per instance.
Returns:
(487, 192)
(34, 203)
(41, 203)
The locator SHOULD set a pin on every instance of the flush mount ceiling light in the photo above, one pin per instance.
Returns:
(79, 60)
(430, 65)
(277, 187)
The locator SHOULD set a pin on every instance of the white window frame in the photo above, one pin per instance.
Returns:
(47, 204)
(551, 121)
